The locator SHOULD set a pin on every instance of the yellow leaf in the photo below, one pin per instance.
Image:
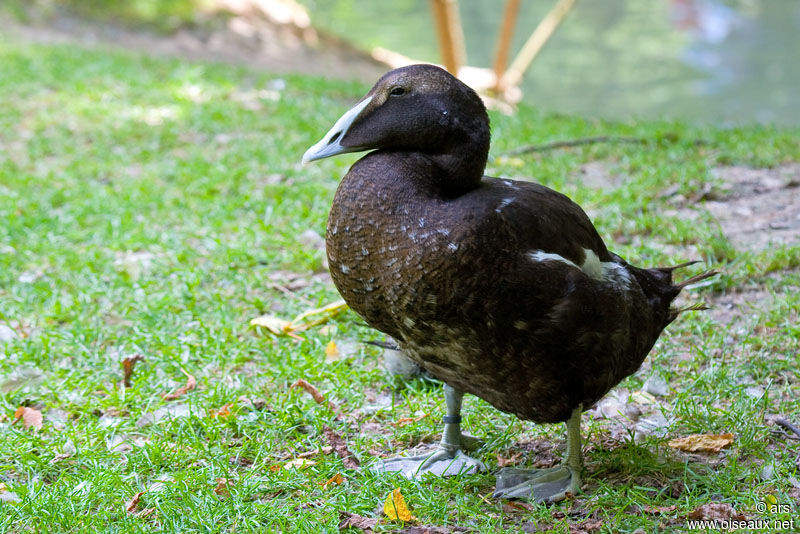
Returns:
(273, 324)
(395, 507)
(332, 352)
(702, 442)
(335, 479)
(299, 463)
(304, 321)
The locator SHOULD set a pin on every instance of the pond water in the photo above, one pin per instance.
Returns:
(726, 62)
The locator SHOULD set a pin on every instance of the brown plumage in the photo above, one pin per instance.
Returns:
(500, 288)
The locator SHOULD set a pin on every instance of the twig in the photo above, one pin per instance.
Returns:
(788, 425)
(576, 142)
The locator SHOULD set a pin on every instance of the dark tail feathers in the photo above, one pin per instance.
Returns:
(676, 288)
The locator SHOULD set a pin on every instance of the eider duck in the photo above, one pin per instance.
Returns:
(499, 288)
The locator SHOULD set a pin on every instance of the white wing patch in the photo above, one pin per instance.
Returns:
(604, 271)
(541, 255)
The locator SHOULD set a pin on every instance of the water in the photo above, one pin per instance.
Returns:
(723, 62)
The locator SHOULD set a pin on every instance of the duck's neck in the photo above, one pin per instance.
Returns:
(460, 165)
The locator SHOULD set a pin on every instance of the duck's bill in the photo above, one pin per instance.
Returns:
(330, 144)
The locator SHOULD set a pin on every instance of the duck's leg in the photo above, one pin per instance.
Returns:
(547, 485)
(448, 459)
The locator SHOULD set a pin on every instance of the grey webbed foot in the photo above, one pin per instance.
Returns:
(540, 485)
(547, 485)
(448, 459)
(441, 462)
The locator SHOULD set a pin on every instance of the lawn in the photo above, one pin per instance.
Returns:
(154, 207)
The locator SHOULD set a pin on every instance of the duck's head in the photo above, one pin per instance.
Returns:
(419, 108)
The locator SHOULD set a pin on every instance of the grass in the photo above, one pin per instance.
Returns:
(146, 206)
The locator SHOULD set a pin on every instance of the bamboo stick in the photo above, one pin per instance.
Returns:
(450, 34)
(534, 44)
(504, 40)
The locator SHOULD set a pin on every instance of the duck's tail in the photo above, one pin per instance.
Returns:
(660, 290)
(676, 288)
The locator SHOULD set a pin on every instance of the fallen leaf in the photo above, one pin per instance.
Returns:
(348, 520)
(131, 505)
(332, 352)
(127, 368)
(702, 442)
(511, 507)
(191, 383)
(511, 460)
(715, 511)
(147, 512)
(299, 463)
(304, 321)
(170, 411)
(428, 529)
(274, 324)
(58, 457)
(7, 495)
(225, 411)
(223, 487)
(337, 442)
(403, 421)
(314, 392)
(659, 510)
(395, 507)
(586, 527)
(336, 479)
(31, 417)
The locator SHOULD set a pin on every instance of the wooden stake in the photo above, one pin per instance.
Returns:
(504, 40)
(534, 45)
(450, 33)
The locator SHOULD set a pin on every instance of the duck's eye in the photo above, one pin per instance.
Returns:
(397, 91)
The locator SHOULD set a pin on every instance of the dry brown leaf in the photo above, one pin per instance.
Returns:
(348, 520)
(659, 510)
(337, 442)
(314, 392)
(511, 507)
(223, 487)
(31, 417)
(133, 504)
(403, 421)
(395, 507)
(191, 383)
(336, 479)
(225, 411)
(511, 460)
(702, 442)
(429, 529)
(586, 527)
(715, 511)
(127, 368)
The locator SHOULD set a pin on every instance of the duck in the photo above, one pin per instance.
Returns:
(499, 288)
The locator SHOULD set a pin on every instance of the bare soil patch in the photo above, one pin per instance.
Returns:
(244, 39)
(758, 208)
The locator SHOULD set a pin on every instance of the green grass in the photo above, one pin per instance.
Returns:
(145, 205)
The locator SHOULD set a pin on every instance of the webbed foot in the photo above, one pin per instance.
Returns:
(540, 485)
(547, 485)
(441, 462)
(448, 459)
